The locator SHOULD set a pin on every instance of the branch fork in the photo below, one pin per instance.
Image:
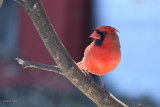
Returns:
(65, 64)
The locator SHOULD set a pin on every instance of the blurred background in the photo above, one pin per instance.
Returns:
(135, 81)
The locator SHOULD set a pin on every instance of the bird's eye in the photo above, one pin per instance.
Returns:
(104, 33)
(98, 31)
(101, 33)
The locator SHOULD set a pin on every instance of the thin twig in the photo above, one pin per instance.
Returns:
(29, 64)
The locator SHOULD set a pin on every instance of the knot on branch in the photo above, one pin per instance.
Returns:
(29, 5)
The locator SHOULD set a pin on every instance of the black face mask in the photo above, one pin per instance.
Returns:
(99, 42)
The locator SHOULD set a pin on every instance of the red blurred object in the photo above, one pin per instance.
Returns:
(103, 54)
(71, 20)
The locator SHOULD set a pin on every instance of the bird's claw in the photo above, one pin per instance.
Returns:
(90, 79)
(104, 88)
(106, 92)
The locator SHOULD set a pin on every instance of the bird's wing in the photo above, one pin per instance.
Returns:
(85, 53)
(87, 49)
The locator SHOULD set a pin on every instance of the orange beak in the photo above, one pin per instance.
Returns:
(95, 35)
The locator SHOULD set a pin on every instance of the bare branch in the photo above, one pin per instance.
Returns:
(64, 61)
(29, 64)
(1, 2)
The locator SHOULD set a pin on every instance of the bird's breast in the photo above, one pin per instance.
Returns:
(102, 60)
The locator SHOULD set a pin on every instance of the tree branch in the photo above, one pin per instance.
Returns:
(63, 60)
(29, 64)
(1, 2)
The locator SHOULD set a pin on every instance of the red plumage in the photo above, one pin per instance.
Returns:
(103, 54)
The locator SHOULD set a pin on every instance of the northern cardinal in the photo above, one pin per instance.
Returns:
(103, 54)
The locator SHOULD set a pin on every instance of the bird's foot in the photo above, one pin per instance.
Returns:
(104, 88)
(90, 79)
(106, 92)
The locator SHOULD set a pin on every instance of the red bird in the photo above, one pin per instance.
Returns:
(103, 54)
